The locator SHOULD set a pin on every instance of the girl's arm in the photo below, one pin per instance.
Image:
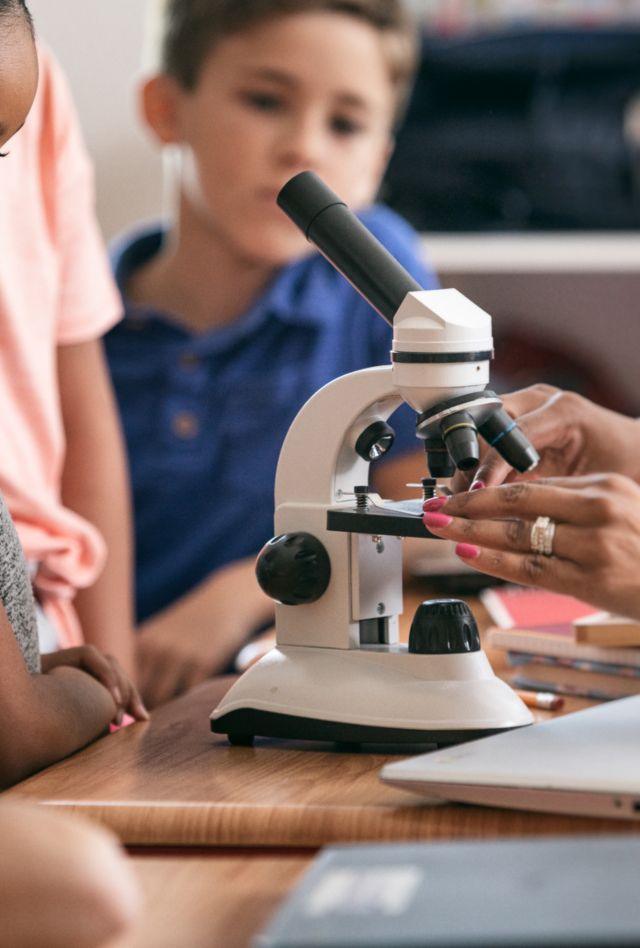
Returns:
(95, 484)
(44, 717)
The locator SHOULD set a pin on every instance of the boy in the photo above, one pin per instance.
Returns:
(231, 323)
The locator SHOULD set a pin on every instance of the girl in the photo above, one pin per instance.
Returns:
(51, 708)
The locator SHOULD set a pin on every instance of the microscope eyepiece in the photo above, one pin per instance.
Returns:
(327, 222)
(304, 197)
(460, 435)
(501, 432)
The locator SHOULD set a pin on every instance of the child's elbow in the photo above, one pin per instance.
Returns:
(65, 882)
(25, 748)
(104, 898)
(15, 765)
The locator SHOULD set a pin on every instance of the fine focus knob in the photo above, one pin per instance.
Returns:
(443, 627)
(293, 568)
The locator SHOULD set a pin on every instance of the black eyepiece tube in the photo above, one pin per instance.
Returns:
(328, 223)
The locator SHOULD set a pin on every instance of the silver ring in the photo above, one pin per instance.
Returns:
(542, 534)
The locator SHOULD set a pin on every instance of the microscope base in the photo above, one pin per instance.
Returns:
(243, 725)
(368, 695)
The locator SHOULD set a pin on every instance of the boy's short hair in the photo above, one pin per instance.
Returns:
(191, 28)
(16, 8)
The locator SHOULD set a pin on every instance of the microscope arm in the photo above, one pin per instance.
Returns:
(318, 462)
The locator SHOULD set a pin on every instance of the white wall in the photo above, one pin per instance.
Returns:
(99, 43)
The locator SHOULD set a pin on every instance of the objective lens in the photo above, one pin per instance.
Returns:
(461, 438)
(501, 431)
(438, 459)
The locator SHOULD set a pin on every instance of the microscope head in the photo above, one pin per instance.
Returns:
(442, 346)
(442, 342)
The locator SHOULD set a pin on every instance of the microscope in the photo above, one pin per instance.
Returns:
(338, 671)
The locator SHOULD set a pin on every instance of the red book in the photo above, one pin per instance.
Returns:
(536, 622)
(526, 607)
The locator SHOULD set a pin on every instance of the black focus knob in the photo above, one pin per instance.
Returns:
(376, 439)
(443, 627)
(293, 568)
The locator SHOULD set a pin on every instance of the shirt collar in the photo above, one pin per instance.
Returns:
(299, 293)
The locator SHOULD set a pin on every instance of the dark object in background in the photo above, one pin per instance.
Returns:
(523, 358)
(522, 130)
(532, 893)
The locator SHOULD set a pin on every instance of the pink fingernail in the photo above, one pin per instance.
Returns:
(467, 551)
(477, 485)
(436, 520)
(434, 503)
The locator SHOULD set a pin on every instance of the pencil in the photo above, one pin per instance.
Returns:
(543, 700)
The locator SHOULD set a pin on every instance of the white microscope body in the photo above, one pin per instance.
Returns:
(338, 671)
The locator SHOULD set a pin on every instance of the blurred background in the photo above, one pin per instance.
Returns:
(518, 162)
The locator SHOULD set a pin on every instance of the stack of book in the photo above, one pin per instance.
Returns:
(557, 643)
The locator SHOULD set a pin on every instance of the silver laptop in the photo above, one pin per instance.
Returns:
(586, 763)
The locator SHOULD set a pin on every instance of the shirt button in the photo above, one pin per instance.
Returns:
(189, 360)
(136, 323)
(185, 425)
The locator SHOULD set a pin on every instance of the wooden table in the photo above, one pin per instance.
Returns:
(221, 833)
(217, 901)
(171, 782)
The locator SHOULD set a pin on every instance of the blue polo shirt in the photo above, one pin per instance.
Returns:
(205, 414)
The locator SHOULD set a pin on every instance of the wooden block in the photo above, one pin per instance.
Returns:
(603, 628)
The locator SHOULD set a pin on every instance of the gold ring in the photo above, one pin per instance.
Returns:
(542, 534)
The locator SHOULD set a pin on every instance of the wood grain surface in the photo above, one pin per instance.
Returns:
(209, 902)
(171, 782)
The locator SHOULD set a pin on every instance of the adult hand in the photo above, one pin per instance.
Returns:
(572, 435)
(107, 670)
(596, 547)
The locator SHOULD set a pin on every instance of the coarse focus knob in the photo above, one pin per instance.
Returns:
(443, 627)
(293, 568)
(375, 440)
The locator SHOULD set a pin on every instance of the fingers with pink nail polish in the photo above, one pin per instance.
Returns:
(477, 485)
(436, 520)
(434, 503)
(467, 551)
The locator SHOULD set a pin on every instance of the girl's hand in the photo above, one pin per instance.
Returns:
(107, 670)
(572, 435)
(596, 546)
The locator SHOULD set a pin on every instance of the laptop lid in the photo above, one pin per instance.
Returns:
(586, 763)
(572, 892)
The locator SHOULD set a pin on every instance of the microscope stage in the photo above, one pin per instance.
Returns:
(402, 518)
